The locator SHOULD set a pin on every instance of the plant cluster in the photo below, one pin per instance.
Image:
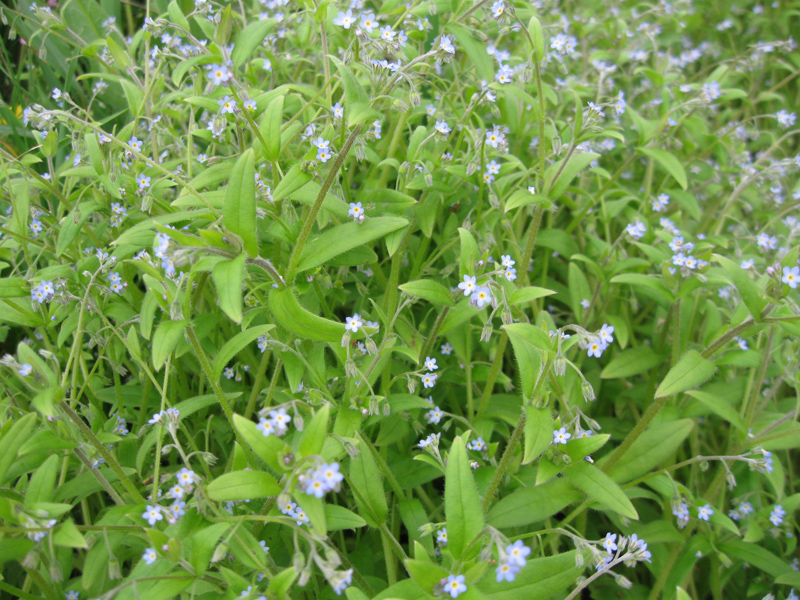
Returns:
(487, 299)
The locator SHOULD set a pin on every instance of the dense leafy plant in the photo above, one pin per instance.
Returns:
(488, 300)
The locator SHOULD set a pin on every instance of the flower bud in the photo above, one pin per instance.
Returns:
(219, 552)
(346, 339)
(588, 391)
(486, 332)
(560, 366)
(350, 368)
(114, 572)
(414, 98)
(298, 561)
(372, 348)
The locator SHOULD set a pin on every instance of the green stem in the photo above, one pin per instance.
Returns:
(223, 401)
(107, 456)
(312, 214)
(497, 363)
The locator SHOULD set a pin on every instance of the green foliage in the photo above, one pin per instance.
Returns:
(399, 300)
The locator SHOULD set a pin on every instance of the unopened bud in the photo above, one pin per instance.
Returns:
(399, 105)
(588, 391)
(298, 561)
(560, 366)
(731, 479)
(506, 317)
(350, 368)
(414, 98)
(114, 572)
(428, 178)
(345, 339)
(432, 8)
(305, 575)
(372, 348)
(219, 552)
(486, 333)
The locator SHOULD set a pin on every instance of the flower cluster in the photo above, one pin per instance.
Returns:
(516, 556)
(325, 478)
(479, 296)
(277, 424)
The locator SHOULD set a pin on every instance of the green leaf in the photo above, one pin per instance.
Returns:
(476, 50)
(600, 488)
(282, 582)
(13, 287)
(235, 345)
(167, 336)
(632, 361)
(719, 406)
(539, 579)
(338, 517)
(424, 573)
(228, 277)
(462, 505)
(341, 238)
(176, 15)
(239, 210)
(747, 288)
(578, 288)
(533, 504)
(367, 479)
(576, 163)
(469, 253)
(525, 198)
(292, 316)
(203, 544)
(669, 162)
(538, 432)
(14, 435)
(249, 39)
(692, 370)
(271, 128)
(94, 152)
(43, 482)
(243, 485)
(529, 359)
(528, 294)
(266, 448)
(315, 433)
(68, 536)
(429, 290)
(757, 556)
(791, 578)
(646, 281)
(293, 180)
(354, 92)
(537, 35)
(652, 448)
(72, 225)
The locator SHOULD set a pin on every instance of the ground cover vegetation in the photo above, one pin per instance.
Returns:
(479, 299)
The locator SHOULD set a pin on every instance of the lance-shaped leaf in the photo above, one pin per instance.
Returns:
(462, 504)
(239, 210)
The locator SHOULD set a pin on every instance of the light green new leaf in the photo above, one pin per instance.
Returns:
(692, 370)
(72, 225)
(539, 579)
(228, 277)
(652, 448)
(525, 198)
(367, 479)
(271, 128)
(239, 210)
(249, 39)
(342, 238)
(646, 281)
(462, 504)
(68, 536)
(632, 361)
(600, 488)
(429, 290)
(538, 432)
(165, 339)
(747, 288)
(243, 485)
(315, 433)
(575, 164)
(669, 162)
(13, 287)
(235, 345)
